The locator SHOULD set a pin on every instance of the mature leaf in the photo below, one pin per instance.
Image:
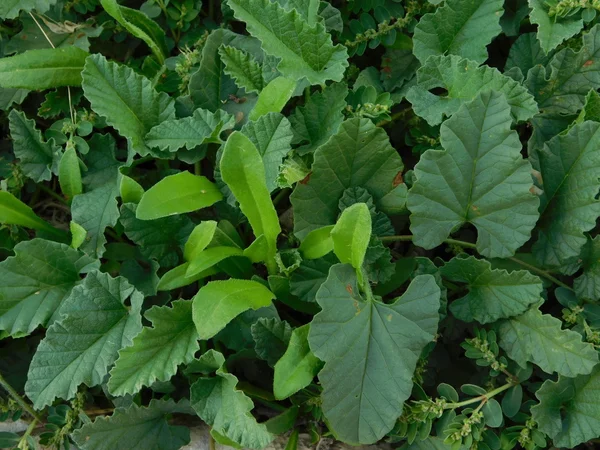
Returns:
(552, 30)
(102, 166)
(201, 128)
(14, 212)
(569, 207)
(135, 428)
(297, 367)
(34, 283)
(538, 338)
(8, 97)
(351, 235)
(569, 409)
(587, 285)
(82, 346)
(480, 178)
(308, 278)
(127, 100)
(156, 352)
(370, 351)
(306, 51)
(43, 69)
(271, 337)
(358, 155)
(308, 9)
(464, 80)
(459, 27)
(493, 293)
(243, 68)
(36, 156)
(320, 118)
(226, 409)
(219, 302)
(142, 275)
(9, 9)
(526, 53)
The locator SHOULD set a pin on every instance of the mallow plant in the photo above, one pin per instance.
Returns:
(366, 221)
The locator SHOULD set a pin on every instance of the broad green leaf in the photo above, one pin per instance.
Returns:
(69, 174)
(308, 278)
(130, 190)
(552, 30)
(569, 409)
(381, 224)
(286, 35)
(587, 285)
(493, 293)
(200, 237)
(243, 170)
(36, 157)
(464, 80)
(479, 178)
(219, 302)
(83, 344)
(177, 194)
(243, 68)
(176, 278)
(272, 135)
(569, 205)
(459, 27)
(78, 234)
(201, 128)
(297, 367)
(141, 26)
(538, 338)
(351, 235)
(308, 9)
(370, 351)
(9, 9)
(142, 274)
(431, 443)
(358, 155)
(317, 243)
(35, 282)
(135, 428)
(224, 408)
(156, 352)
(127, 100)
(526, 53)
(209, 258)
(271, 337)
(102, 165)
(14, 212)
(320, 118)
(8, 97)
(273, 97)
(43, 69)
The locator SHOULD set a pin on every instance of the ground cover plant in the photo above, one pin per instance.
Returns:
(362, 220)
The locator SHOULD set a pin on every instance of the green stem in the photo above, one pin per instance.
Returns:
(541, 273)
(28, 432)
(482, 398)
(281, 195)
(52, 194)
(16, 397)
(197, 169)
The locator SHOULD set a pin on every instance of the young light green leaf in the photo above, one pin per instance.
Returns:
(317, 243)
(286, 35)
(9, 9)
(177, 194)
(156, 352)
(351, 235)
(14, 212)
(464, 80)
(43, 69)
(480, 178)
(271, 337)
(370, 351)
(273, 97)
(219, 302)
(297, 367)
(69, 174)
(459, 27)
(176, 278)
(210, 257)
(34, 283)
(538, 338)
(493, 293)
(78, 234)
(552, 29)
(82, 346)
(130, 190)
(201, 236)
(243, 68)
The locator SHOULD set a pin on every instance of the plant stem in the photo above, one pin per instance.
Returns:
(482, 398)
(197, 169)
(541, 273)
(16, 397)
(280, 196)
(52, 194)
(28, 432)
(211, 442)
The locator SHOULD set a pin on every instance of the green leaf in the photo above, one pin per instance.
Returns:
(209, 258)
(297, 367)
(243, 68)
(8, 97)
(69, 174)
(272, 135)
(135, 428)
(569, 207)
(493, 293)
(78, 234)
(219, 302)
(102, 166)
(569, 409)
(271, 337)
(480, 178)
(459, 27)
(464, 80)
(538, 338)
(156, 352)
(139, 25)
(308, 9)
(127, 100)
(130, 190)
(226, 409)
(200, 237)
(286, 35)
(552, 30)
(587, 285)
(351, 235)
(176, 278)
(526, 53)
(35, 282)
(201, 128)
(177, 194)
(43, 69)
(320, 118)
(273, 97)
(317, 243)
(9, 9)
(308, 278)
(359, 154)
(370, 351)
(35, 155)
(14, 212)
(82, 346)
